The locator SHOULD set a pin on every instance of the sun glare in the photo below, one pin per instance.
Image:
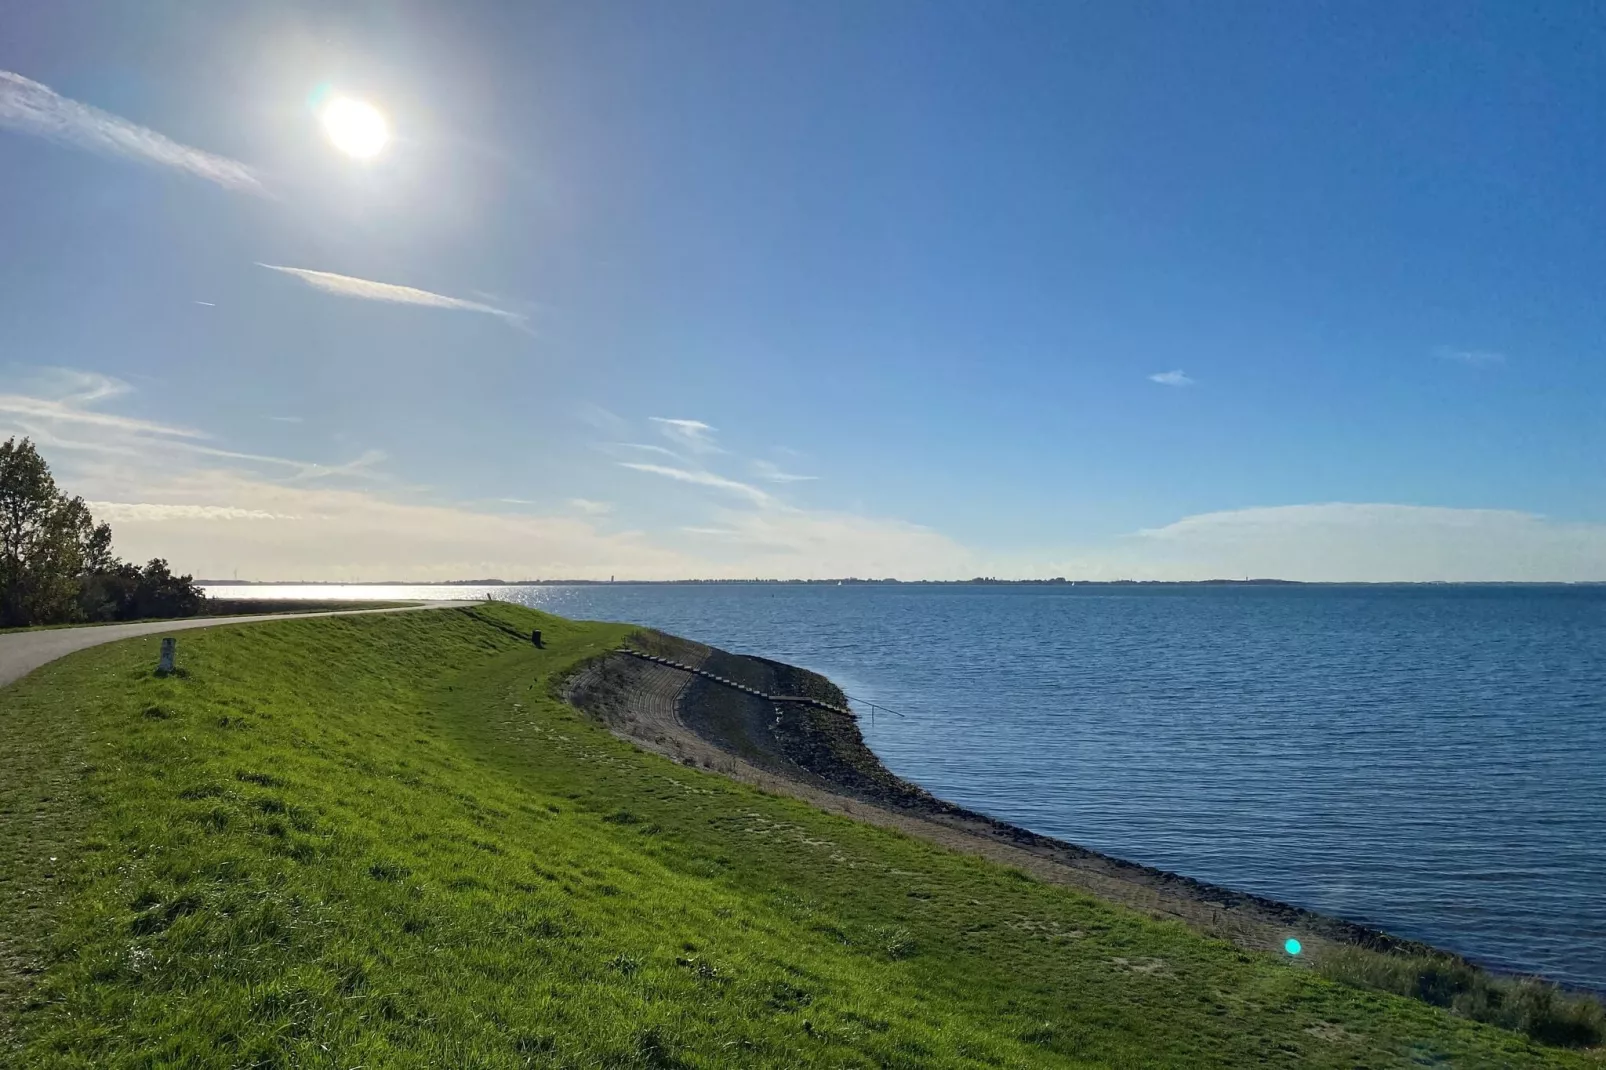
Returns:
(355, 128)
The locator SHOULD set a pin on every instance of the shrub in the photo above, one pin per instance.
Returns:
(1528, 1005)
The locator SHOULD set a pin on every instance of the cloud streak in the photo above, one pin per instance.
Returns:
(214, 511)
(117, 512)
(59, 418)
(20, 405)
(362, 466)
(369, 290)
(31, 108)
(211, 511)
(660, 450)
(705, 479)
(212, 522)
(693, 435)
(774, 473)
(1373, 541)
(1172, 378)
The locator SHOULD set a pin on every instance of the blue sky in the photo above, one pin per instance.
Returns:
(1150, 290)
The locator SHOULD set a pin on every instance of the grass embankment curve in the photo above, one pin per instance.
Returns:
(381, 841)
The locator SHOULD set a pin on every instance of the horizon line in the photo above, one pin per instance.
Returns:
(859, 580)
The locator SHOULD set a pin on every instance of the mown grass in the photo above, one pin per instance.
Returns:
(380, 841)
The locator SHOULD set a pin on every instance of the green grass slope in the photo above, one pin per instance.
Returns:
(381, 842)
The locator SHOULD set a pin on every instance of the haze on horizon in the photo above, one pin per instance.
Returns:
(786, 290)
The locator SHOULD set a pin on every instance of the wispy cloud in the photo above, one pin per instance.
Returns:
(369, 290)
(60, 416)
(1172, 378)
(214, 511)
(693, 435)
(1373, 541)
(362, 466)
(167, 496)
(833, 544)
(117, 512)
(287, 419)
(346, 533)
(67, 411)
(774, 474)
(31, 108)
(706, 479)
(1475, 357)
(84, 388)
(648, 448)
(212, 522)
(601, 419)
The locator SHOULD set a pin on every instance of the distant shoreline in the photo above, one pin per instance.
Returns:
(849, 581)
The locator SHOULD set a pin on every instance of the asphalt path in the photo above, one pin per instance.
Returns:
(23, 652)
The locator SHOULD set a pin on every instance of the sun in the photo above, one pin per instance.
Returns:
(355, 128)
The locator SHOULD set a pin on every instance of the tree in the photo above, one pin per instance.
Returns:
(42, 534)
(163, 594)
(56, 563)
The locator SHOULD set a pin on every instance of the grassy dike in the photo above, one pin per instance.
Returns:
(380, 841)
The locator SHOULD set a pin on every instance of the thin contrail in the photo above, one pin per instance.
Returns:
(369, 290)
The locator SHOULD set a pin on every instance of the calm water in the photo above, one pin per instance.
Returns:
(1428, 760)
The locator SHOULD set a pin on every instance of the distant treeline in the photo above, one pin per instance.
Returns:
(56, 563)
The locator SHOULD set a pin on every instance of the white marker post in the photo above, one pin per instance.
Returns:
(164, 667)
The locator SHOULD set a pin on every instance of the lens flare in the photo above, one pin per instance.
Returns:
(1292, 946)
(355, 128)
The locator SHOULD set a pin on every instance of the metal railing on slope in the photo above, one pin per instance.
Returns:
(755, 692)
